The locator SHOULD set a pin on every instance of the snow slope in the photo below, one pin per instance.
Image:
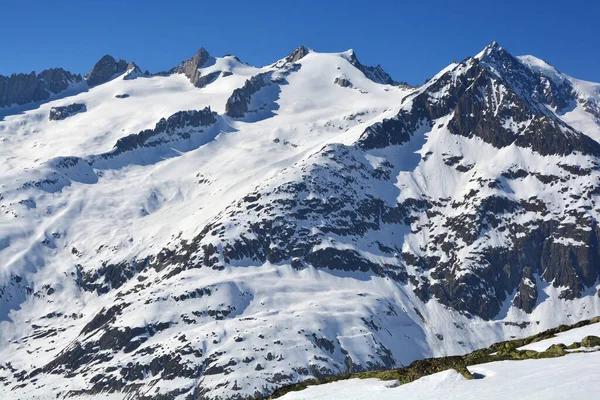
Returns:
(572, 376)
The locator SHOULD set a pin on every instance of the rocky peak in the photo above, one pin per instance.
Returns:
(493, 48)
(26, 88)
(190, 67)
(376, 74)
(133, 71)
(292, 58)
(501, 63)
(105, 69)
(297, 54)
(491, 96)
(534, 85)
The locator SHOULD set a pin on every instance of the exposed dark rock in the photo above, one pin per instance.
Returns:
(376, 74)
(392, 131)
(105, 69)
(343, 82)
(111, 276)
(177, 125)
(25, 88)
(133, 71)
(60, 113)
(205, 80)
(526, 297)
(238, 102)
(190, 68)
(297, 54)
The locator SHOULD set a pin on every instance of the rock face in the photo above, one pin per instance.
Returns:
(25, 88)
(190, 68)
(180, 125)
(376, 74)
(105, 69)
(207, 79)
(343, 82)
(238, 102)
(133, 71)
(527, 295)
(297, 54)
(60, 113)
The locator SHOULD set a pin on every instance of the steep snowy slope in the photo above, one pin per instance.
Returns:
(220, 230)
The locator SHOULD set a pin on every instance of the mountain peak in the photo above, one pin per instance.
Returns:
(493, 45)
(105, 69)
(376, 74)
(297, 54)
(190, 67)
(490, 51)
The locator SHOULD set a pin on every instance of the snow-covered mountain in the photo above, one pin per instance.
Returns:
(219, 230)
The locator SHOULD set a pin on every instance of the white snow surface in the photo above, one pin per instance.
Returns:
(574, 376)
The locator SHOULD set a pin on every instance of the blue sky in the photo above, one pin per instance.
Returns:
(411, 40)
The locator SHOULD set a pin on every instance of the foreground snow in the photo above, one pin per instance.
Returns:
(575, 376)
(568, 337)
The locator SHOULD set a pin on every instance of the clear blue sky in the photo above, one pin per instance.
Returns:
(412, 40)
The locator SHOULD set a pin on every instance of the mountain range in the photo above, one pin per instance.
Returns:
(220, 230)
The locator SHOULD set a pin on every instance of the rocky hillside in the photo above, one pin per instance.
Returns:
(220, 230)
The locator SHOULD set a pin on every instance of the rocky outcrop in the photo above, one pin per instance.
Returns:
(527, 295)
(133, 71)
(343, 82)
(292, 58)
(238, 102)
(62, 112)
(180, 125)
(105, 69)
(190, 68)
(297, 54)
(376, 74)
(207, 79)
(26, 88)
